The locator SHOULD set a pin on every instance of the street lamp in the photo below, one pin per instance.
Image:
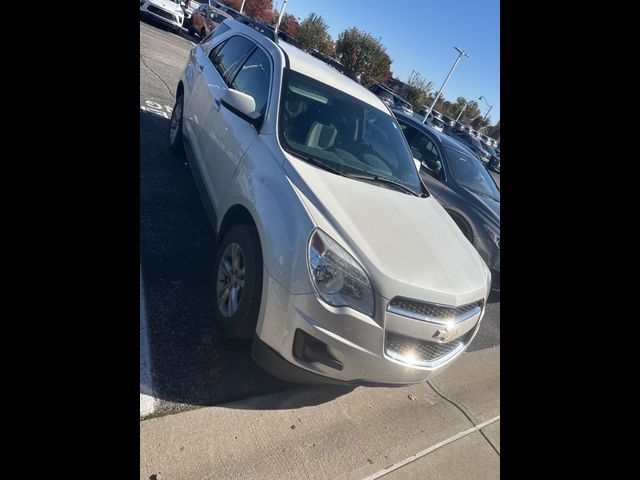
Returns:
(463, 108)
(490, 106)
(460, 54)
(284, 4)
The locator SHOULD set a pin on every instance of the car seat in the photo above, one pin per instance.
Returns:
(321, 135)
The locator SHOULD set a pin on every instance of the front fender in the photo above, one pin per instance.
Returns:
(284, 226)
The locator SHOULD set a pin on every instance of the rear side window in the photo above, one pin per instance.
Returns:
(254, 79)
(228, 57)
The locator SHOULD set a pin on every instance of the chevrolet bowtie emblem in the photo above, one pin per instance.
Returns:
(445, 334)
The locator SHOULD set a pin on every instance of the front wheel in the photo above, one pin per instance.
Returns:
(175, 127)
(238, 282)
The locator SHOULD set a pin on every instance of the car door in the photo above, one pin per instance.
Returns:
(205, 99)
(242, 65)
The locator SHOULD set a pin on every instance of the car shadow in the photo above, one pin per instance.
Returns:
(191, 361)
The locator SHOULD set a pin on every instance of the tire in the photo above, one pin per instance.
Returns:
(238, 320)
(175, 127)
(191, 31)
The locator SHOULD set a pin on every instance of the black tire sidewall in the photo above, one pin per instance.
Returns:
(176, 145)
(242, 323)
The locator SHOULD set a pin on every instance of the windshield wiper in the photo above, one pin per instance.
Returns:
(315, 162)
(385, 180)
(370, 178)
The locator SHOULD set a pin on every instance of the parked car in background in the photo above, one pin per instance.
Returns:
(461, 184)
(494, 161)
(205, 19)
(474, 144)
(391, 98)
(330, 253)
(168, 12)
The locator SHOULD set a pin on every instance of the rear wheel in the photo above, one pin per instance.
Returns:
(238, 282)
(175, 127)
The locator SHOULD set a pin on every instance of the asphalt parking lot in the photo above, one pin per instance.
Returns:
(189, 362)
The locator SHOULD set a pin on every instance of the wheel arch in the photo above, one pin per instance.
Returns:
(463, 224)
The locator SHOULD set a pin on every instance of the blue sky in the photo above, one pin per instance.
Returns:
(420, 35)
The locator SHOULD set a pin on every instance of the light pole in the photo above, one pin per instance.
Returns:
(460, 54)
(242, 6)
(284, 4)
(463, 108)
(490, 106)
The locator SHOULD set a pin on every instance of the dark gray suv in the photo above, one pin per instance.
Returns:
(462, 185)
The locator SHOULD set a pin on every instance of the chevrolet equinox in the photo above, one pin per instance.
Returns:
(331, 252)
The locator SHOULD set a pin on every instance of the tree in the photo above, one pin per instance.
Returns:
(261, 10)
(494, 131)
(416, 89)
(235, 4)
(289, 24)
(314, 33)
(363, 54)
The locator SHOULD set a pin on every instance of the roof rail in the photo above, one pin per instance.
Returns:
(257, 26)
(335, 63)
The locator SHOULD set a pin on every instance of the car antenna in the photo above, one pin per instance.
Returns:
(275, 32)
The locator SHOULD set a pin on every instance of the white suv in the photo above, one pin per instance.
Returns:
(330, 250)
(169, 12)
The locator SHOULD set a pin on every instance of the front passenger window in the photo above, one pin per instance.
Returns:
(254, 79)
(228, 59)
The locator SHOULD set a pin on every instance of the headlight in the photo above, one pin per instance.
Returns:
(337, 276)
(495, 236)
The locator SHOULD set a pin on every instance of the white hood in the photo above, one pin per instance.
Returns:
(408, 245)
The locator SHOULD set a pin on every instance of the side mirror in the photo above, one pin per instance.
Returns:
(241, 104)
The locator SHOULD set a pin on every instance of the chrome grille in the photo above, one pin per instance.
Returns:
(162, 13)
(423, 353)
(433, 312)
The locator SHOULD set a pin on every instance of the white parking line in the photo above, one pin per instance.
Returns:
(422, 453)
(147, 401)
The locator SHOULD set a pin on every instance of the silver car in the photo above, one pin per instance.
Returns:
(331, 253)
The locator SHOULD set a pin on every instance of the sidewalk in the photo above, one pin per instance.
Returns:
(364, 433)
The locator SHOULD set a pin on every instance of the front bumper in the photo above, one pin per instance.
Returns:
(357, 344)
(169, 17)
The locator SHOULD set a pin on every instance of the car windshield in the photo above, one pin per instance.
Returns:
(471, 174)
(326, 126)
